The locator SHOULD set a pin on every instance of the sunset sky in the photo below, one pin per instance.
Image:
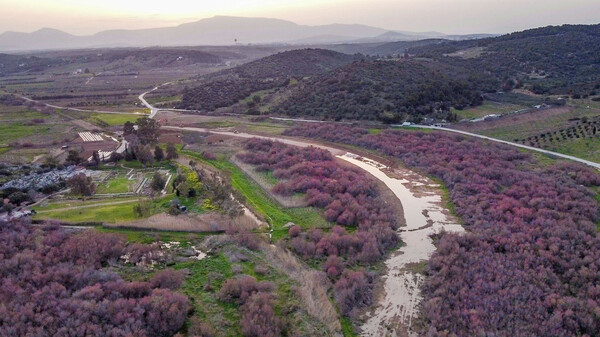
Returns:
(83, 17)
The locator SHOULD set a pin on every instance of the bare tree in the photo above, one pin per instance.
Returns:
(159, 154)
(171, 151)
(144, 154)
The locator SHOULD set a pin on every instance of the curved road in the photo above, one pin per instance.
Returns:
(153, 110)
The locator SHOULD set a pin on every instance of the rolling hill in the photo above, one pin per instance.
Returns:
(549, 60)
(438, 75)
(228, 86)
(10, 64)
(389, 91)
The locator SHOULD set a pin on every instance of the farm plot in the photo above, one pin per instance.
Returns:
(488, 108)
(568, 130)
(107, 211)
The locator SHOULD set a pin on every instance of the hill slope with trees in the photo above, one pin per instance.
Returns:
(438, 75)
(227, 87)
(549, 60)
(390, 91)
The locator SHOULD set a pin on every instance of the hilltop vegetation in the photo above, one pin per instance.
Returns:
(440, 75)
(389, 91)
(229, 86)
(550, 60)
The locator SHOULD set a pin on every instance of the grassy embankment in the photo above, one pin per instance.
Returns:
(207, 276)
(260, 202)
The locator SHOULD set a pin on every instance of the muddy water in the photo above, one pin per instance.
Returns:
(425, 214)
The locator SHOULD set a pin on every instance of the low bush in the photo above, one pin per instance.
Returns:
(52, 284)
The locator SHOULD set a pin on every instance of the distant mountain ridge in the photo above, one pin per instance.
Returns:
(218, 30)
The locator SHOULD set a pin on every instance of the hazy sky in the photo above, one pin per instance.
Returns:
(82, 17)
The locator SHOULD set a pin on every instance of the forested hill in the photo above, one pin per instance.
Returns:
(227, 87)
(550, 60)
(390, 91)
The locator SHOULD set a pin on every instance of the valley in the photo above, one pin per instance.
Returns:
(433, 187)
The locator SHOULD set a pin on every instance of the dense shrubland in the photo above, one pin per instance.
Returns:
(530, 263)
(389, 91)
(348, 197)
(256, 301)
(11, 100)
(52, 284)
(224, 92)
(229, 86)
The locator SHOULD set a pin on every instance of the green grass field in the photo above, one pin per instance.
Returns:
(76, 203)
(14, 131)
(588, 148)
(135, 164)
(150, 236)
(119, 184)
(259, 201)
(10, 114)
(98, 210)
(208, 275)
(107, 213)
(112, 119)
